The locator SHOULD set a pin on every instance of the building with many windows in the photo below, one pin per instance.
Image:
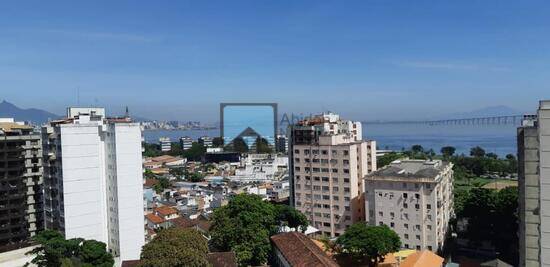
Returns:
(414, 198)
(186, 142)
(165, 144)
(534, 188)
(206, 141)
(21, 202)
(93, 180)
(327, 161)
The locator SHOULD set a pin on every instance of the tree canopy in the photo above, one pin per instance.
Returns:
(55, 250)
(448, 151)
(370, 243)
(477, 152)
(175, 247)
(195, 153)
(387, 159)
(262, 146)
(245, 225)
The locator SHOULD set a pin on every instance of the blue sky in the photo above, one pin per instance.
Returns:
(363, 59)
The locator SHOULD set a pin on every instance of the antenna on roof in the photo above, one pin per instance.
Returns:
(127, 113)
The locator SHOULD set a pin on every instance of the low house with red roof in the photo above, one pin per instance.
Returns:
(296, 249)
(166, 212)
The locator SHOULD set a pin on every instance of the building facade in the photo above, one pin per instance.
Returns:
(94, 180)
(533, 141)
(414, 198)
(327, 160)
(165, 144)
(21, 199)
(206, 141)
(186, 142)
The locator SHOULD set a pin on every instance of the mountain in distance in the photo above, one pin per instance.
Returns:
(37, 116)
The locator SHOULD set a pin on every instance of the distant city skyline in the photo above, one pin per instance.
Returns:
(365, 60)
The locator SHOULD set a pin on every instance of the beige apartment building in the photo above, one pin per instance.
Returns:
(328, 159)
(534, 188)
(414, 198)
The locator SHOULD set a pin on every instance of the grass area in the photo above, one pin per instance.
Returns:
(483, 182)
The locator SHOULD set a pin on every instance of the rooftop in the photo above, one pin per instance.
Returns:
(154, 218)
(423, 258)
(409, 169)
(222, 259)
(166, 210)
(299, 250)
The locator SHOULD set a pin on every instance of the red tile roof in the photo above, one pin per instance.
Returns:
(154, 218)
(150, 182)
(166, 210)
(222, 259)
(423, 258)
(300, 251)
(201, 223)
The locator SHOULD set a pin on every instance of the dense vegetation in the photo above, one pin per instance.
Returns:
(54, 250)
(195, 153)
(245, 225)
(368, 244)
(176, 247)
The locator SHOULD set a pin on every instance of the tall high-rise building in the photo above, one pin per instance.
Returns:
(94, 181)
(534, 187)
(414, 198)
(21, 201)
(328, 160)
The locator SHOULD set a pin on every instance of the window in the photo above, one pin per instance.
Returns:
(380, 223)
(429, 227)
(381, 214)
(333, 161)
(296, 151)
(346, 170)
(306, 151)
(324, 152)
(297, 160)
(335, 189)
(346, 180)
(406, 245)
(406, 226)
(392, 215)
(334, 152)
(346, 152)
(326, 197)
(405, 205)
(429, 186)
(417, 196)
(392, 224)
(316, 187)
(315, 152)
(346, 189)
(297, 169)
(429, 217)
(316, 178)
(428, 206)
(346, 162)
(406, 236)
(325, 188)
(417, 227)
(324, 170)
(297, 177)
(417, 206)
(406, 216)
(335, 170)
(405, 195)
(316, 169)
(334, 179)
(417, 237)
(430, 248)
(335, 198)
(417, 247)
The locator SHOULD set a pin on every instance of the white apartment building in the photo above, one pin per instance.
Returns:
(93, 180)
(414, 198)
(186, 142)
(534, 188)
(328, 159)
(165, 144)
(260, 167)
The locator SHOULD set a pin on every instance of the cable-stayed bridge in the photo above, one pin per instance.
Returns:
(494, 120)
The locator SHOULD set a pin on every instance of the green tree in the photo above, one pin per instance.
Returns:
(448, 151)
(217, 142)
(262, 146)
(195, 153)
(151, 150)
(55, 250)
(492, 155)
(387, 159)
(417, 149)
(175, 247)
(94, 253)
(477, 152)
(245, 225)
(163, 183)
(239, 145)
(291, 217)
(370, 243)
